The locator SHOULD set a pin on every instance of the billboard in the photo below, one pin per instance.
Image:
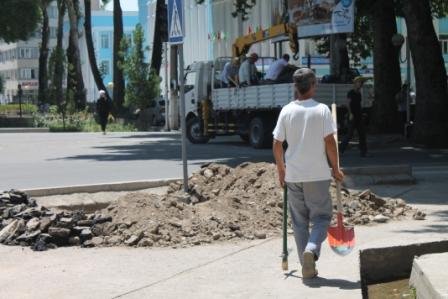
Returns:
(322, 17)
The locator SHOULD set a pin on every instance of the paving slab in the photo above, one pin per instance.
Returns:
(250, 269)
(429, 276)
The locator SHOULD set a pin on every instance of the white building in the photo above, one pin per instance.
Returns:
(19, 62)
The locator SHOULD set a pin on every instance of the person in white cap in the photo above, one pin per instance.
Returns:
(103, 108)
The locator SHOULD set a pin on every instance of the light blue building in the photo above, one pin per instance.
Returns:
(102, 33)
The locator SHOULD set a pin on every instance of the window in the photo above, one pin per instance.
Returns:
(27, 74)
(104, 68)
(443, 39)
(104, 40)
(53, 32)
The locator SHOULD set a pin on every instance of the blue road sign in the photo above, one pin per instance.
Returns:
(176, 28)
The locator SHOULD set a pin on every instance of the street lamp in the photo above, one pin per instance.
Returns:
(398, 40)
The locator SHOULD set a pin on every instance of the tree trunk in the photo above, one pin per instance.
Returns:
(43, 56)
(340, 62)
(174, 95)
(75, 81)
(386, 67)
(59, 67)
(90, 48)
(118, 89)
(431, 121)
(160, 35)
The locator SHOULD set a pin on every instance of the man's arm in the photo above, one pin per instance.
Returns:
(277, 148)
(332, 154)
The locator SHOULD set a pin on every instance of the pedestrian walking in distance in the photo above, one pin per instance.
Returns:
(103, 110)
(354, 98)
(308, 128)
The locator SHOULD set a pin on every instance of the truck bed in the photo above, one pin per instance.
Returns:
(278, 95)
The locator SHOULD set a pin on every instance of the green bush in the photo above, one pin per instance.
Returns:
(77, 122)
(15, 108)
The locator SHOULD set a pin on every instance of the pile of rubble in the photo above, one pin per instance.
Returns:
(224, 203)
(24, 223)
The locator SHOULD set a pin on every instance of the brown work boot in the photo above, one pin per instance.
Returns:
(309, 265)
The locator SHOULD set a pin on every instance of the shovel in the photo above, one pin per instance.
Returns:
(340, 238)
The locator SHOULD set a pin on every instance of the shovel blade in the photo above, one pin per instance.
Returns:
(341, 239)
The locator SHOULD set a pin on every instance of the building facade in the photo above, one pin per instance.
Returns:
(19, 62)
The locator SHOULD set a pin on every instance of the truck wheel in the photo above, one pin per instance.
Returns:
(194, 133)
(260, 133)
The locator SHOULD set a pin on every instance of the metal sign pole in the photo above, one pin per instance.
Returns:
(167, 103)
(182, 115)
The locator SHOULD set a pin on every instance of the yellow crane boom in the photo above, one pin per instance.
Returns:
(242, 44)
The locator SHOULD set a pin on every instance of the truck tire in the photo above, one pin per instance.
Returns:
(194, 133)
(260, 132)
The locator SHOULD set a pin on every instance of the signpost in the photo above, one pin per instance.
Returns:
(176, 33)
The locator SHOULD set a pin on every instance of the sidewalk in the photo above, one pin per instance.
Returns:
(225, 270)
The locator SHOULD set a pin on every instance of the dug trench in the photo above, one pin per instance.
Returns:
(223, 204)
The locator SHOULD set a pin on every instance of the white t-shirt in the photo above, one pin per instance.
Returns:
(275, 69)
(229, 70)
(304, 125)
(247, 72)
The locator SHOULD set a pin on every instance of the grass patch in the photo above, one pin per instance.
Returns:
(15, 109)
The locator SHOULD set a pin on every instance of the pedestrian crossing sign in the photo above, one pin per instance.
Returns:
(176, 28)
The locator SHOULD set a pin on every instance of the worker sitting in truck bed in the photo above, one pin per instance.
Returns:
(248, 72)
(276, 68)
(229, 74)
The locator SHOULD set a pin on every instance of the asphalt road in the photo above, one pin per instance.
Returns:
(38, 160)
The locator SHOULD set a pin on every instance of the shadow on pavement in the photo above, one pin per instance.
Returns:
(168, 147)
(332, 282)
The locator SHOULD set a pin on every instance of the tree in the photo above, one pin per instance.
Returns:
(57, 60)
(75, 83)
(18, 19)
(1, 84)
(160, 35)
(143, 84)
(43, 55)
(118, 91)
(431, 122)
(387, 72)
(91, 49)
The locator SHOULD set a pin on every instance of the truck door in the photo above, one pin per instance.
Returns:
(190, 93)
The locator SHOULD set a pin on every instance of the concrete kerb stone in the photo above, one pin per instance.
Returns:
(378, 175)
(429, 277)
(109, 187)
(24, 130)
(379, 265)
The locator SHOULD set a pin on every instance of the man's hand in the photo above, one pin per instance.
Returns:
(338, 175)
(281, 176)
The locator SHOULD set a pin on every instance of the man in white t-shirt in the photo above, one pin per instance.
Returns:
(277, 67)
(308, 128)
(248, 71)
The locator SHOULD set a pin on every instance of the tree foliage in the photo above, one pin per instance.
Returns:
(18, 19)
(143, 84)
(242, 7)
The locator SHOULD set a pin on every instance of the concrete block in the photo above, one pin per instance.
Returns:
(378, 265)
(429, 276)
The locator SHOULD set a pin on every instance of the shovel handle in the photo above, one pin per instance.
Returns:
(285, 229)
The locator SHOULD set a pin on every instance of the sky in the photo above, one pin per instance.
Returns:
(126, 5)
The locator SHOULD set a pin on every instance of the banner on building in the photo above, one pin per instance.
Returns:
(322, 17)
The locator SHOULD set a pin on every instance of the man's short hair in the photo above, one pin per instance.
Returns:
(304, 79)
(285, 57)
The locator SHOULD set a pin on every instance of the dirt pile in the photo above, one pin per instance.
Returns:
(226, 203)
(223, 203)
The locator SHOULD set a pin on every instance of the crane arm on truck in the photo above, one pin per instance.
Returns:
(242, 44)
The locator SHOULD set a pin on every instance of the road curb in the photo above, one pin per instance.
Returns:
(24, 130)
(108, 187)
(378, 175)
